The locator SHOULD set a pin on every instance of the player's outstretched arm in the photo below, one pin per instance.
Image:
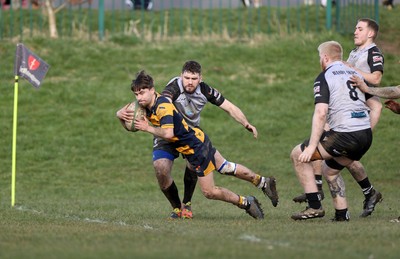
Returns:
(390, 92)
(238, 115)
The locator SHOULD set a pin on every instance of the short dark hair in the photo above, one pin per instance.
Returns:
(192, 67)
(371, 24)
(142, 81)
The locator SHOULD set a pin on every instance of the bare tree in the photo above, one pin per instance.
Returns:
(16, 4)
(51, 12)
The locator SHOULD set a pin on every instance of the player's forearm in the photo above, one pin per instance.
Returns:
(235, 112)
(372, 78)
(318, 124)
(390, 92)
(316, 132)
(240, 118)
(160, 132)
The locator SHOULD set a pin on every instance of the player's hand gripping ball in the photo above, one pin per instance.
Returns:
(139, 112)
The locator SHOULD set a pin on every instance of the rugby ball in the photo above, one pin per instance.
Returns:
(139, 112)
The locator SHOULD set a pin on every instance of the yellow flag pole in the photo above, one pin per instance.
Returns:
(14, 141)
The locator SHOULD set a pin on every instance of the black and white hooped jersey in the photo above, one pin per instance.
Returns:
(347, 111)
(190, 105)
(369, 59)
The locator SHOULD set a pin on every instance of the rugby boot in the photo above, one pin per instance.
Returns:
(253, 208)
(187, 212)
(175, 214)
(268, 186)
(369, 203)
(309, 213)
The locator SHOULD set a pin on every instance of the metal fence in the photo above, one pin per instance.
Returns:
(158, 20)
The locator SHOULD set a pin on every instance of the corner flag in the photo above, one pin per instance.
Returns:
(29, 66)
(32, 68)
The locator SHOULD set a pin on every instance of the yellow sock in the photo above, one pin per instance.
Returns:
(242, 201)
(257, 180)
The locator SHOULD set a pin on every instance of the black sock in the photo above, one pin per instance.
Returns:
(342, 214)
(189, 180)
(173, 196)
(366, 186)
(318, 181)
(314, 200)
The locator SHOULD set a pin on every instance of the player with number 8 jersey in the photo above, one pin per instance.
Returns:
(348, 110)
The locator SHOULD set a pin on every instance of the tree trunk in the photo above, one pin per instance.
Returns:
(15, 4)
(52, 19)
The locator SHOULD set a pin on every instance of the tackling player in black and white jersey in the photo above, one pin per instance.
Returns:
(343, 107)
(368, 61)
(190, 94)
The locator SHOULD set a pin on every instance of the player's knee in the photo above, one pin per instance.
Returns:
(296, 151)
(162, 166)
(208, 193)
(228, 168)
(356, 167)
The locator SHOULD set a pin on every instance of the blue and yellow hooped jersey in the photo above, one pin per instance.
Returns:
(164, 114)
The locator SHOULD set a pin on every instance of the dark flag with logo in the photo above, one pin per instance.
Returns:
(29, 66)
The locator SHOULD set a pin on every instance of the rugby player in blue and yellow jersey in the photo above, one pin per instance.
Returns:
(166, 122)
(190, 94)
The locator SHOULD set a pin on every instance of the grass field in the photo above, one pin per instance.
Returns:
(86, 187)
